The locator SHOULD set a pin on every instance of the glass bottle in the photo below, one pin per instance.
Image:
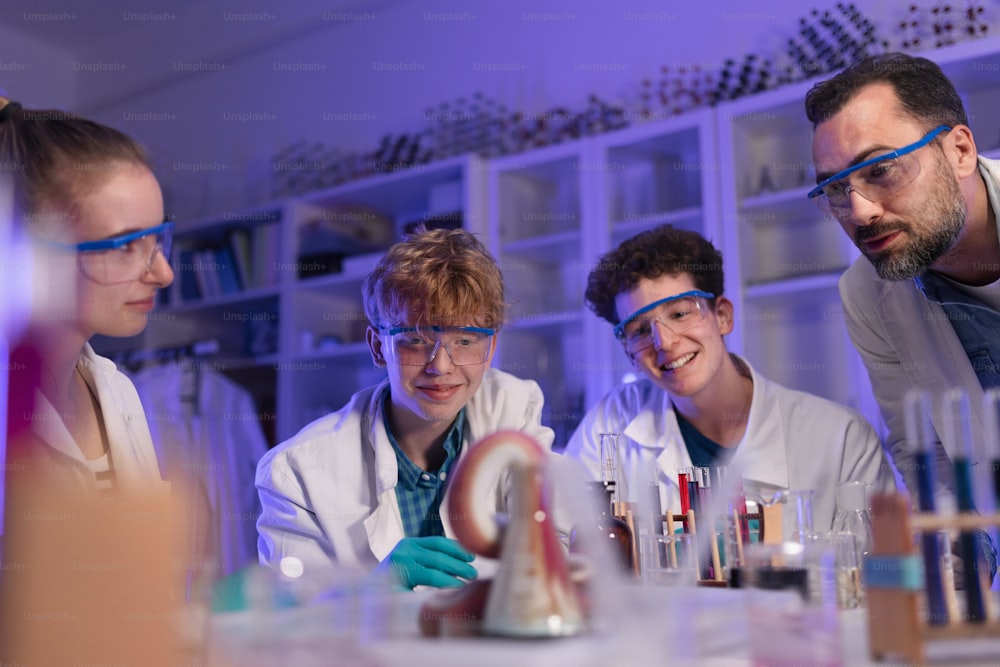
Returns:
(606, 527)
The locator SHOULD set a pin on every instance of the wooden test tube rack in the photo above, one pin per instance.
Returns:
(896, 626)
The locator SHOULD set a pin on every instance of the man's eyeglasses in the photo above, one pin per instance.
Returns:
(678, 313)
(419, 346)
(126, 257)
(876, 179)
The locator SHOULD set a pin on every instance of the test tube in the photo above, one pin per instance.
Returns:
(705, 490)
(920, 436)
(742, 511)
(991, 413)
(801, 507)
(682, 484)
(709, 557)
(694, 479)
(957, 421)
(609, 465)
(655, 508)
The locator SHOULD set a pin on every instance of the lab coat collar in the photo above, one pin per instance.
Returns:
(760, 456)
(655, 427)
(48, 425)
(385, 524)
(386, 472)
(130, 461)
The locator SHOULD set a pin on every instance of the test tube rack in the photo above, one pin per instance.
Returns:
(896, 590)
(768, 519)
(690, 524)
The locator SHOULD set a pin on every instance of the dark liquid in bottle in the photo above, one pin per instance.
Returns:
(605, 527)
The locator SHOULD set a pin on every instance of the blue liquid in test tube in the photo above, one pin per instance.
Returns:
(920, 435)
(957, 418)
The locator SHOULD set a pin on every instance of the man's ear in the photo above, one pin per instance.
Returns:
(724, 314)
(375, 346)
(963, 151)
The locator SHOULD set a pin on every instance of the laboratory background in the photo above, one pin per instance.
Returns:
(296, 141)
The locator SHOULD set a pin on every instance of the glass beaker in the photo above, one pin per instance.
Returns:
(792, 596)
(800, 504)
(797, 515)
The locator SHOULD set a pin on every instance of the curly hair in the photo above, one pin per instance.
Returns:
(664, 250)
(921, 86)
(438, 277)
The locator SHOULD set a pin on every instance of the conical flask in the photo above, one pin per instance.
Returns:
(531, 594)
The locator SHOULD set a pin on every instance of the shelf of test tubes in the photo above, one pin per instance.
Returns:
(910, 583)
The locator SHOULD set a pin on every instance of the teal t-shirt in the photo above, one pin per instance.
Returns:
(704, 452)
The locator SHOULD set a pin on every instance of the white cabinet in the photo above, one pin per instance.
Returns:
(538, 208)
(782, 256)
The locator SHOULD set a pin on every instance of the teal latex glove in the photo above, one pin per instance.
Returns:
(429, 561)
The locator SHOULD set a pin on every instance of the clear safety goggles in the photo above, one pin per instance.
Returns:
(125, 257)
(419, 346)
(678, 313)
(877, 179)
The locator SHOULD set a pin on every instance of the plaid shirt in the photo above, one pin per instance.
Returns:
(419, 492)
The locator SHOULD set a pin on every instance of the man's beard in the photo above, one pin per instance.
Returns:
(944, 218)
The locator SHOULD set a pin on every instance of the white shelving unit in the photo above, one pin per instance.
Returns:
(737, 173)
(538, 205)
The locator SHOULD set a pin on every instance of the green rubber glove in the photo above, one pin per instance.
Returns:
(429, 561)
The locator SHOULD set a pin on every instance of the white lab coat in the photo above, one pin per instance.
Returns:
(793, 441)
(907, 341)
(329, 494)
(207, 429)
(132, 454)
